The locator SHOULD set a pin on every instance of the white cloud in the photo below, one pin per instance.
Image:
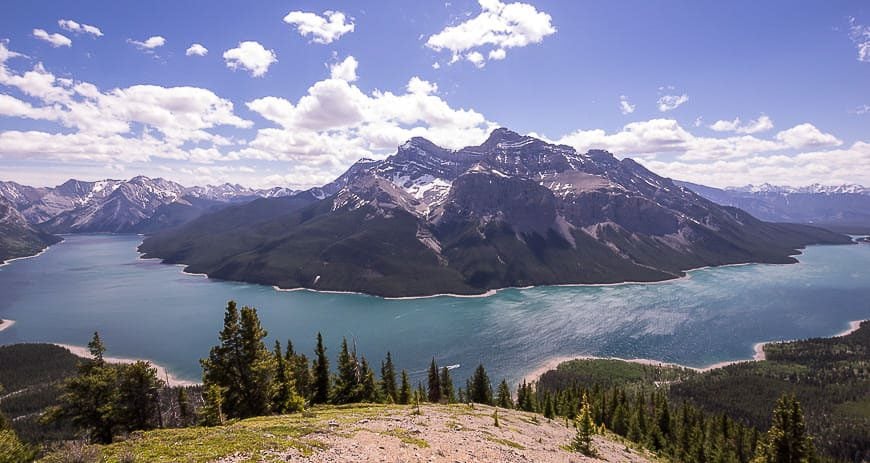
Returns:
(476, 58)
(805, 136)
(155, 41)
(762, 124)
(344, 70)
(72, 26)
(499, 26)
(420, 86)
(323, 29)
(860, 35)
(56, 40)
(625, 106)
(671, 102)
(863, 109)
(196, 49)
(250, 56)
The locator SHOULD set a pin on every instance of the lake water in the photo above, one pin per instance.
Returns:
(145, 309)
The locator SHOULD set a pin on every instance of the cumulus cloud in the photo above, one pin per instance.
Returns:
(420, 86)
(77, 28)
(196, 49)
(807, 136)
(155, 41)
(762, 124)
(322, 29)
(498, 27)
(860, 35)
(56, 40)
(625, 106)
(671, 102)
(250, 56)
(344, 70)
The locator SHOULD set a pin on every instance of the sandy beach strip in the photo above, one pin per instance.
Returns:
(162, 372)
(6, 324)
(758, 355)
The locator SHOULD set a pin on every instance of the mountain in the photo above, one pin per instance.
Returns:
(843, 208)
(17, 237)
(139, 205)
(514, 211)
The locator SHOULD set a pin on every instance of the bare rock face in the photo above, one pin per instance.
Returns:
(514, 211)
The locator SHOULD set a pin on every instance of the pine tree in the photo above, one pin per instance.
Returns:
(421, 391)
(184, 409)
(285, 398)
(137, 397)
(347, 384)
(12, 450)
(89, 398)
(786, 441)
(321, 374)
(211, 413)
(405, 392)
(585, 429)
(388, 380)
(368, 388)
(447, 393)
(434, 390)
(549, 408)
(503, 397)
(481, 389)
(301, 373)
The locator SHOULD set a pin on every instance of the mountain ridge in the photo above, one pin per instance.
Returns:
(513, 211)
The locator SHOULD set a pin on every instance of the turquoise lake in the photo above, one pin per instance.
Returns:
(145, 309)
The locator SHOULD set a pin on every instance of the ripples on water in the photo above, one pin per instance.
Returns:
(145, 309)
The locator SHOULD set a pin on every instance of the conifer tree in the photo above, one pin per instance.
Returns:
(286, 398)
(368, 388)
(585, 429)
(89, 398)
(137, 397)
(503, 397)
(320, 394)
(388, 380)
(434, 390)
(786, 441)
(211, 413)
(447, 393)
(549, 408)
(421, 391)
(298, 364)
(347, 383)
(184, 409)
(12, 450)
(405, 391)
(481, 389)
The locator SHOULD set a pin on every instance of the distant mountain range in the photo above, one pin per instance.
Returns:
(842, 208)
(514, 211)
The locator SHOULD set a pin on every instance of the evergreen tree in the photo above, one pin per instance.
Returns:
(447, 393)
(405, 392)
(137, 406)
(241, 365)
(321, 374)
(481, 389)
(421, 392)
(388, 380)
(585, 429)
(285, 398)
(211, 413)
(368, 388)
(347, 384)
(184, 408)
(434, 383)
(503, 397)
(12, 450)
(89, 398)
(301, 374)
(549, 407)
(786, 441)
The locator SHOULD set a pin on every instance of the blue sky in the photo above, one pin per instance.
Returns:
(310, 92)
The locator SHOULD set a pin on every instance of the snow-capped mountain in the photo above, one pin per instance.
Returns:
(17, 237)
(122, 205)
(514, 211)
(815, 188)
(843, 208)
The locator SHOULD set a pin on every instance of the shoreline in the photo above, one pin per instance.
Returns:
(162, 372)
(757, 356)
(6, 324)
(43, 251)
